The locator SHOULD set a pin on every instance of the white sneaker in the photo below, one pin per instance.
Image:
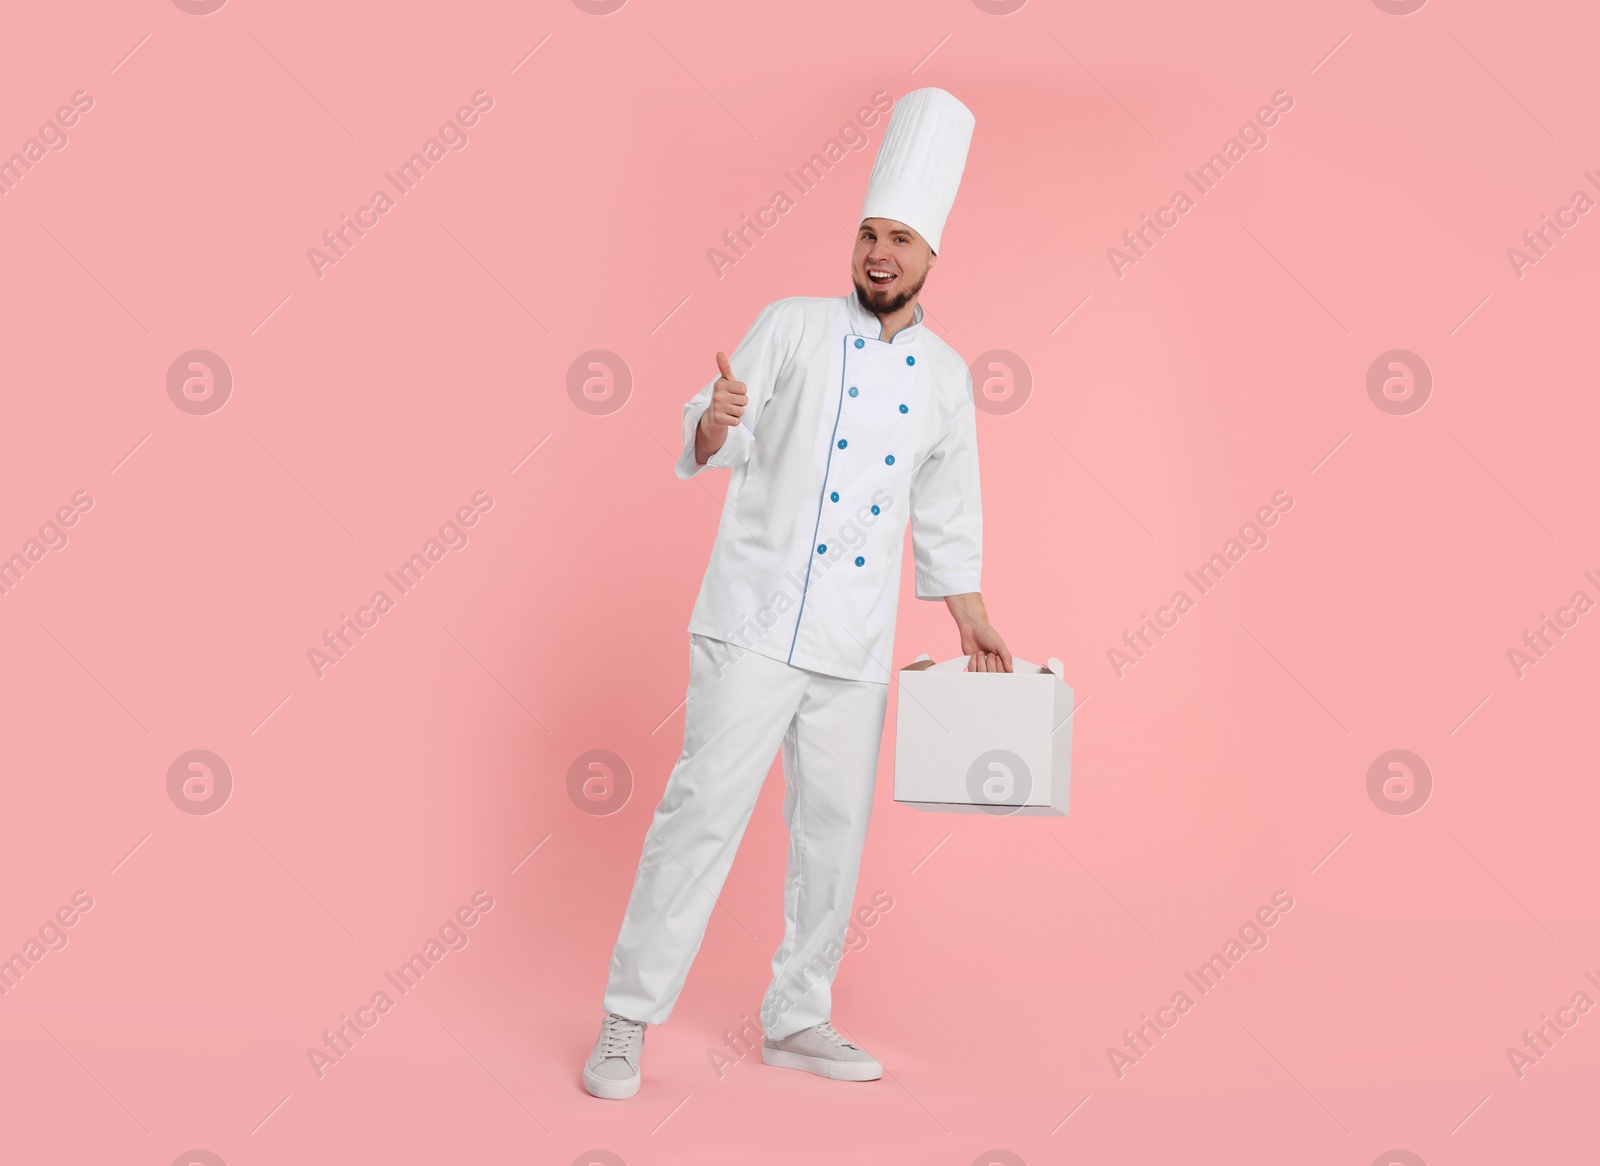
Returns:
(612, 1070)
(821, 1050)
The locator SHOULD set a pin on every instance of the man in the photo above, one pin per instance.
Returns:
(842, 419)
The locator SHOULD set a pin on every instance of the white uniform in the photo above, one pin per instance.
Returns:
(741, 707)
(845, 438)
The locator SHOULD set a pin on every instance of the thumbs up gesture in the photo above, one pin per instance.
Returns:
(727, 400)
(726, 407)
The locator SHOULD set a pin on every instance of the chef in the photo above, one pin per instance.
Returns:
(842, 419)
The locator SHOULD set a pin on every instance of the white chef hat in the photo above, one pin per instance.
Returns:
(920, 162)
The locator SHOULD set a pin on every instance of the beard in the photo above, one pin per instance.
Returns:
(882, 303)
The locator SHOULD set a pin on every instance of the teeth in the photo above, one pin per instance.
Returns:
(885, 274)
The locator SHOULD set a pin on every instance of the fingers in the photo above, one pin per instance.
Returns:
(722, 367)
(989, 662)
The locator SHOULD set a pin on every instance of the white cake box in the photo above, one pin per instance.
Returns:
(983, 742)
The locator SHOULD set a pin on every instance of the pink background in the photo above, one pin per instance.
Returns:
(431, 362)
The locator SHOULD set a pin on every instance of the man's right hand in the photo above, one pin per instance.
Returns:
(728, 400)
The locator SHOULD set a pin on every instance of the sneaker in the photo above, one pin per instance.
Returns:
(612, 1070)
(821, 1050)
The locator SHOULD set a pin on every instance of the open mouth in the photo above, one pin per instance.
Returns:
(880, 278)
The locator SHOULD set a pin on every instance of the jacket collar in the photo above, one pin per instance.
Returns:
(864, 323)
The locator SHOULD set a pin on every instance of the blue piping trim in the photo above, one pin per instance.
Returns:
(821, 500)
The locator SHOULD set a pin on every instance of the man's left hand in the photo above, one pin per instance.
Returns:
(987, 652)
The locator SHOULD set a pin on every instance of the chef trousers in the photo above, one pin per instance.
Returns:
(741, 706)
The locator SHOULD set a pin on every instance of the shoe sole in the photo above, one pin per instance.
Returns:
(608, 1089)
(833, 1070)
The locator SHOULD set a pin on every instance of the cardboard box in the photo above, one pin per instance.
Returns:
(983, 742)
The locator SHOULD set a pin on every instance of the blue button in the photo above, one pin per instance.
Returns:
(860, 343)
(874, 510)
(843, 443)
(889, 461)
(854, 392)
(834, 497)
(859, 560)
(911, 360)
(822, 548)
(903, 409)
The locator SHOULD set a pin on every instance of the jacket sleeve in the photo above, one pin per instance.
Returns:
(947, 510)
(757, 363)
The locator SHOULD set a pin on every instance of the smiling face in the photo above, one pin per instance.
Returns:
(893, 249)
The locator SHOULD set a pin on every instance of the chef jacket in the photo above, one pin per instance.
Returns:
(844, 438)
